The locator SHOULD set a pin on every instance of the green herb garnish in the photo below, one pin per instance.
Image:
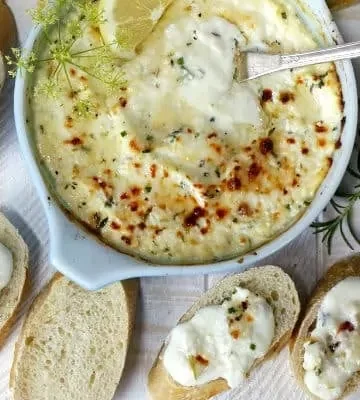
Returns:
(252, 346)
(123, 133)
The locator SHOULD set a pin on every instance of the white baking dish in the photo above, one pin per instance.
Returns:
(92, 264)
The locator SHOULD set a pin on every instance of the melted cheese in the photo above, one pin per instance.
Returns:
(332, 355)
(241, 330)
(184, 165)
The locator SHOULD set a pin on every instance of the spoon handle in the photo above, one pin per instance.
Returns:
(340, 52)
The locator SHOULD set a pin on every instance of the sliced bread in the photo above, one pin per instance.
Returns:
(271, 283)
(73, 344)
(338, 272)
(12, 294)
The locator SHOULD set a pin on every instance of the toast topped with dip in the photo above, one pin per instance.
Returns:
(235, 326)
(13, 275)
(325, 352)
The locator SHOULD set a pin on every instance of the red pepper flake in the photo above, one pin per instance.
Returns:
(266, 146)
(124, 196)
(101, 183)
(267, 95)
(212, 135)
(137, 165)
(69, 122)
(291, 140)
(189, 130)
(254, 171)
(166, 174)
(134, 206)
(107, 171)
(158, 231)
(244, 209)
(142, 226)
(72, 72)
(201, 360)
(295, 182)
(221, 213)
(338, 144)
(235, 334)
(321, 128)
(114, 225)
(123, 102)
(285, 191)
(234, 184)
(135, 191)
(153, 170)
(237, 168)
(83, 79)
(126, 240)
(198, 185)
(131, 228)
(285, 97)
(76, 141)
(305, 150)
(346, 326)
(134, 145)
(204, 230)
(191, 219)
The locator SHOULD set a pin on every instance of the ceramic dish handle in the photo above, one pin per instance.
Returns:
(82, 258)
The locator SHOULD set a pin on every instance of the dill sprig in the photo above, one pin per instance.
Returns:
(63, 53)
(343, 207)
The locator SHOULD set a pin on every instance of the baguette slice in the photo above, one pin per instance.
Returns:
(12, 295)
(271, 283)
(73, 343)
(338, 272)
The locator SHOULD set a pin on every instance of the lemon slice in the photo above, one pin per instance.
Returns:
(128, 22)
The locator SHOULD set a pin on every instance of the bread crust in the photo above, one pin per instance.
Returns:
(160, 384)
(348, 267)
(337, 4)
(8, 28)
(10, 237)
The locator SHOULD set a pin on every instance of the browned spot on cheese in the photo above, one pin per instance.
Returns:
(166, 174)
(286, 96)
(202, 360)
(212, 135)
(135, 191)
(291, 140)
(114, 225)
(137, 165)
(305, 150)
(346, 326)
(75, 141)
(72, 72)
(321, 142)
(266, 146)
(191, 219)
(235, 334)
(299, 80)
(142, 226)
(153, 170)
(338, 144)
(267, 95)
(124, 196)
(244, 209)
(126, 239)
(122, 102)
(134, 145)
(216, 147)
(204, 230)
(249, 318)
(221, 212)
(100, 182)
(320, 127)
(330, 161)
(69, 122)
(134, 206)
(233, 184)
(254, 171)
(189, 130)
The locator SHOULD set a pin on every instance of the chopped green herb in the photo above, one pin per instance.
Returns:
(252, 346)
(284, 15)
(148, 189)
(150, 138)
(318, 371)
(217, 172)
(180, 61)
(123, 133)
(231, 310)
(102, 223)
(288, 206)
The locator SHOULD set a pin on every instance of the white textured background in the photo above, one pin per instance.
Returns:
(162, 300)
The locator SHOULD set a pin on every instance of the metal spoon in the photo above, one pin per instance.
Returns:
(252, 65)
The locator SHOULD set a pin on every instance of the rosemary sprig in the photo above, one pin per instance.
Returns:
(62, 48)
(344, 215)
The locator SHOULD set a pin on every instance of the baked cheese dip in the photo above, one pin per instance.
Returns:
(182, 164)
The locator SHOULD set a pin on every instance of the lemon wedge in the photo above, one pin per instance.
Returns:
(128, 22)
